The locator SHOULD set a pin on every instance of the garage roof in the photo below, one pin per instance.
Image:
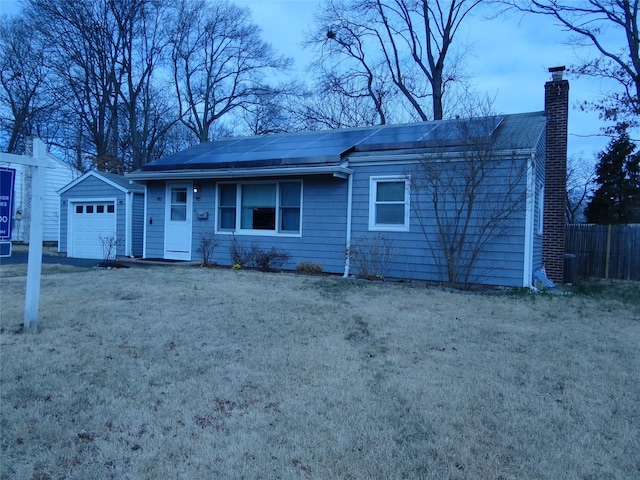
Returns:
(118, 181)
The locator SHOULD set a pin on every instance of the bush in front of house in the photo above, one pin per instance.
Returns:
(308, 268)
(240, 254)
(269, 260)
(369, 257)
(265, 260)
(109, 244)
(208, 242)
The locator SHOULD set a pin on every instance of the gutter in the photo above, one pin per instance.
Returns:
(364, 159)
(336, 171)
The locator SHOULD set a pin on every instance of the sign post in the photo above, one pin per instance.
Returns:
(39, 163)
(34, 266)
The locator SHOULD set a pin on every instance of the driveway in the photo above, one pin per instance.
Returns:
(20, 255)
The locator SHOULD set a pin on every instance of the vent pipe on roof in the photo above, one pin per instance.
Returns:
(557, 73)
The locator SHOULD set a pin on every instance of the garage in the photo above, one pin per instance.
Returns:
(92, 224)
(101, 208)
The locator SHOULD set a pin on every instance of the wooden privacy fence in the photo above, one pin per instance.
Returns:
(604, 251)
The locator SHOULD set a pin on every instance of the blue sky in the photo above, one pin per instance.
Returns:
(508, 60)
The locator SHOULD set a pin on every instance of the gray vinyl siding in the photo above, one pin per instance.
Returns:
(155, 220)
(64, 222)
(500, 263)
(540, 169)
(323, 230)
(323, 226)
(137, 225)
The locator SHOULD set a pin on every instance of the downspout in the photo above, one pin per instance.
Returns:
(347, 249)
(529, 227)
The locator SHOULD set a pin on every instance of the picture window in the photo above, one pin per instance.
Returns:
(266, 207)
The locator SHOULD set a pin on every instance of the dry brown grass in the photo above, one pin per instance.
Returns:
(171, 372)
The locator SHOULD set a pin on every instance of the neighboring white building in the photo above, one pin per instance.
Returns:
(58, 174)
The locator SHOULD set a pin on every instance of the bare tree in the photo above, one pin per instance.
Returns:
(335, 102)
(409, 40)
(83, 53)
(345, 41)
(107, 54)
(148, 114)
(466, 197)
(580, 176)
(26, 98)
(265, 115)
(611, 27)
(219, 62)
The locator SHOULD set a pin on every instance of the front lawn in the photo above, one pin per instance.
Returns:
(174, 372)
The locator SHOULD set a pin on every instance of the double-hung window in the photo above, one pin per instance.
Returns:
(264, 207)
(389, 203)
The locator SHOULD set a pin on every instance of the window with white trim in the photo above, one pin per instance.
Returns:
(389, 203)
(260, 207)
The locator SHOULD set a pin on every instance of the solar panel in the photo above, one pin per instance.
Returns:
(324, 146)
(430, 134)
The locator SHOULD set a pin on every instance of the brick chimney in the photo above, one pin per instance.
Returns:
(556, 104)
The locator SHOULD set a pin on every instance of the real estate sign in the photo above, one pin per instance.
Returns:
(7, 182)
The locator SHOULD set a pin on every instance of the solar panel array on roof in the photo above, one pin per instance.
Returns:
(420, 135)
(323, 147)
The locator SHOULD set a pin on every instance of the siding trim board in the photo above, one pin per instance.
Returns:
(128, 205)
(527, 277)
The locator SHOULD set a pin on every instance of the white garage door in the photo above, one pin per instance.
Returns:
(90, 221)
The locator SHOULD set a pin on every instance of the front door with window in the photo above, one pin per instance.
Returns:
(178, 214)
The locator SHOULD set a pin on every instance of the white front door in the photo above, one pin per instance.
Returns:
(178, 214)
